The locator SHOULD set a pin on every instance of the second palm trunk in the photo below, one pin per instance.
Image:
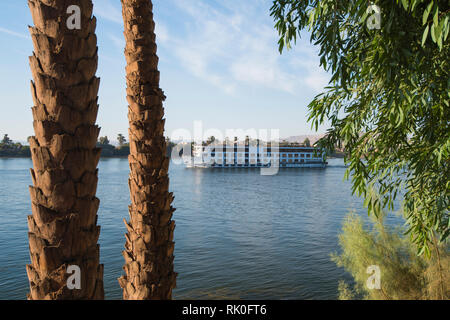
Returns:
(149, 242)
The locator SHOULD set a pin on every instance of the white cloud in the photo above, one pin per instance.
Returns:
(119, 42)
(196, 63)
(317, 81)
(228, 44)
(237, 44)
(264, 74)
(107, 10)
(15, 34)
(162, 34)
(315, 77)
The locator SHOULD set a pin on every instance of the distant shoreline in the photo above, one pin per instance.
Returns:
(29, 157)
(108, 152)
(339, 155)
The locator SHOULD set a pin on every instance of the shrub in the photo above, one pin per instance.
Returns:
(404, 274)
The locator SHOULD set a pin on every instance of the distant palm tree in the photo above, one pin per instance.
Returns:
(210, 140)
(62, 228)
(6, 140)
(149, 242)
(307, 142)
(121, 139)
(103, 140)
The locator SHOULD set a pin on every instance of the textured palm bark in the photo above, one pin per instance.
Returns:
(63, 227)
(149, 242)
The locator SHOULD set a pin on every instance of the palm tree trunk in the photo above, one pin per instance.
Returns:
(149, 242)
(63, 227)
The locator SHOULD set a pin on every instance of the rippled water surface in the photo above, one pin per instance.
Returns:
(238, 234)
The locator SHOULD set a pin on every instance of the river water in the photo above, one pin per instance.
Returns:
(238, 234)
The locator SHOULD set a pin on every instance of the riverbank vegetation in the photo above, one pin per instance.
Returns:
(8, 148)
(403, 274)
(11, 149)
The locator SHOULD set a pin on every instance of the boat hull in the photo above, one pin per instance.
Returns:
(281, 166)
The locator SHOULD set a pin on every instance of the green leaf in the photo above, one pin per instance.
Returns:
(439, 42)
(446, 28)
(433, 33)
(405, 4)
(427, 12)
(425, 35)
(436, 16)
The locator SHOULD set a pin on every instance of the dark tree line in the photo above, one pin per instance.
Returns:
(123, 149)
(9, 148)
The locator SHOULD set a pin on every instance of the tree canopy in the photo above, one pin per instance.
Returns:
(103, 140)
(121, 139)
(388, 100)
(6, 140)
(9, 148)
(307, 142)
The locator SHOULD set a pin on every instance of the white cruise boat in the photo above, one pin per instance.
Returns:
(255, 156)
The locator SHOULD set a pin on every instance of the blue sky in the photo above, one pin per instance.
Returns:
(219, 64)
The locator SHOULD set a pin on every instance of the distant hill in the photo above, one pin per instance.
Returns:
(312, 138)
(292, 139)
